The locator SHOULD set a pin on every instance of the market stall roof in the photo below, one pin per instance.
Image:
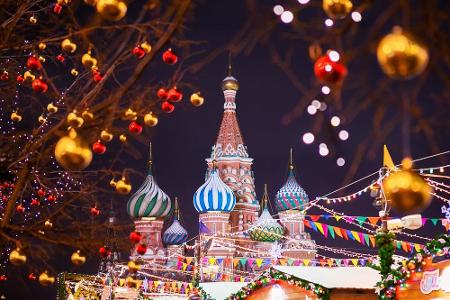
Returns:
(336, 277)
(221, 290)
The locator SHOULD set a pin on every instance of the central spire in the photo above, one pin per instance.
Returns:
(230, 83)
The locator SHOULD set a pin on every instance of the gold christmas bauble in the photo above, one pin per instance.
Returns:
(197, 99)
(337, 9)
(51, 108)
(28, 76)
(68, 46)
(33, 20)
(48, 224)
(72, 152)
(16, 117)
(42, 46)
(87, 115)
(130, 114)
(407, 190)
(41, 59)
(17, 258)
(106, 136)
(74, 72)
(146, 46)
(77, 259)
(123, 138)
(113, 10)
(401, 56)
(133, 267)
(90, 2)
(74, 120)
(88, 61)
(150, 119)
(123, 187)
(45, 279)
(42, 119)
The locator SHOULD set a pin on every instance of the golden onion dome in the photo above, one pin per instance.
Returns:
(230, 83)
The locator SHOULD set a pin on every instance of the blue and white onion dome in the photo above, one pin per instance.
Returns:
(175, 234)
(214, 195)
(149, 200)
(291, 195)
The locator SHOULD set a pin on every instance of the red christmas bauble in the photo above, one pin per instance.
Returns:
(31, 276)
(4, 76)
(41, 192)
(98, 147)
(141, 249)
(20, 208)
(175, 95)
(33, 63)
(35, 202)
(39, 86)
(162, 94)
(60, 58)
(138, 52)
(135, 237)
(20, 79)
(167, 107)
(135, 128)
(57, 8)
(3, 278)
(97, 77)
(51, 198)
(95, 211)
(104, 252)
(329, 71)
(169, 57)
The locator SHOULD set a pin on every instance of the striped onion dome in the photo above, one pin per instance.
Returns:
(149, 200)
(214, 195)
(291, 195)
(266, 228)
(175, 234)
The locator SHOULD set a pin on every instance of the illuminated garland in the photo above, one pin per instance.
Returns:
(271, 277)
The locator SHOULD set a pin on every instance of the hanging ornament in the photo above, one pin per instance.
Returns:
(162, 94)
(197, 99)
(45, 279)
(315, 51)
(33, 20)
(150, 119)
(96, 76)
(33, 63)
(28, 76)
(407, 190)
(169, 57)
(20, 208)
(106, 136)
(42, 46)
(123, 187)
(16, 117)
(95, 211)
(17, 258)
(31, 276)
(4, 76)
(42, 119)
(41, 59)
(167, 107)
(39, 85)
(74, 72)
(130, 114)
(51, 198)
(141, 249)
(88, 61)
(98, 147)
(51, 108)
(337, 9)
(112, 10)
(77, 259)
(146, 46)
(135, 237)
(35, 202)
(90, 2)
(72, 152)
(329, 71)
(41, 192)
(68, 46)
(104, 252)
(48, 224)
(74, 120)
(138, 52)
(20, 79)
(87, 115)
(123, 138)
(57, 8)
(135, 128)
(401, 56)
(60, 58)
(174, 95)
(112, 182)
(133, 266)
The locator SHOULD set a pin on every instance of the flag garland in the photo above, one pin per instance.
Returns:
(372, 220)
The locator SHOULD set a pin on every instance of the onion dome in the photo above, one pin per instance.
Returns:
(291, 195)
(230, 83)
(175, 234)
(214, 195)
(266, 228)
(149, 200)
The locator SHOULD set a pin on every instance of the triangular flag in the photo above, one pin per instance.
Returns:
(307, 223)
(346, 261)
(189, 260)
(235, 262)
(313, 226)
(434, 221)
(306, 262)
(330, 262)
(331, 230)
(355, 236)
(290, 261)
(344, 233)
(405, 246)
(337, 230)
(361, 237)
(338, 262)
(362, 262)
(399, 245)
(259, 262)
(202, 228)
(366, 239)
(361, 219)
(424, 220)
(319, 226)
(354, 261)
(322, 262)
(417, 247)
(184, 266)
(314, 217)
(243, 261)
(373, 220)
(282, 261)
(337, 217)
(211, 261)
(372, 240)
(219, 261)
(387, 159)
(325, 230)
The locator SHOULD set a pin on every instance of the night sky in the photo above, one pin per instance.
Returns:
(183, 139)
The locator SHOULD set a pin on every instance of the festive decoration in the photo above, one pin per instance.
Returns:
(141, 249)
(407, 190)
(106, 136)
(133, 267)
(113, 10)
(130, 114)
(138, 52)
(329, 71)
(16, 117)
(34, 63)
(74, 120)
(175, 234)
(68, 46)
(197, 99)
(51, 108)
(17, 258)
(337, 9)
(77, 259)
(123, 187)
(45, 279)
(169, 57)
(167, 107)
(135, 128)
(72, 152)
(98, 147)
(94, 211)
(104, 252)
(401, 56)
(162, 94)
(88, 61)
(39, 85)
(135, 237)
(174, 95)
(150, 119)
